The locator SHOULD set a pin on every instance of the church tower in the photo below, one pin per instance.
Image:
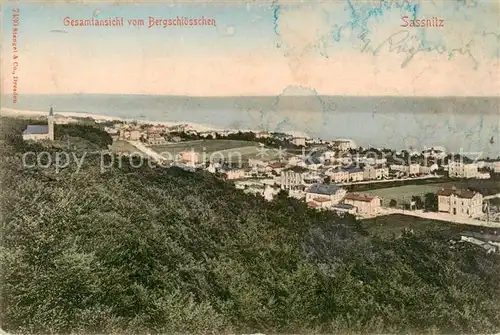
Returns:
(50, 121)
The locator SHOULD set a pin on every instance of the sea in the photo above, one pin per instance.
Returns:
(467, 125)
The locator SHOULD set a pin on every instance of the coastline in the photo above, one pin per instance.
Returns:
(6, 111)
(400, 123)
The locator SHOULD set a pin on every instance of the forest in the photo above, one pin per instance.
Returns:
(162, 250)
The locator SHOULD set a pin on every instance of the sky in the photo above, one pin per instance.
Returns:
(336, 47)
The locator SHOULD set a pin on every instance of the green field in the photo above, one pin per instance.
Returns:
(201, 146)
(394, 224)
(485, 186)
(231, 150)
(403, 194)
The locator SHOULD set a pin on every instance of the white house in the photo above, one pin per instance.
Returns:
(437, 152)
(462, 170)
(292, 177)
(355, 174)
(399, 168)
(338, 175)
(329, 155)
(299, 141)
(233, 173)
(324, 195)
(424, 169)
(411, 169)
(156, 139)
(414, 169)
(373, 172)
(458, 202)
(131, 134)
(296, 161)
(343, 145)
(365, 204)
(374, 161)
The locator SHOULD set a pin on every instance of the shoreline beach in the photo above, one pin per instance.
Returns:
(25, 113)
(5, 111)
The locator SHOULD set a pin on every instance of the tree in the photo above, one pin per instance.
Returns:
(393, 203)
(431, 202)
(142, 250)
(418, 201)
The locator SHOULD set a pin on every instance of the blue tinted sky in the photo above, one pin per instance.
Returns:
(259, 48)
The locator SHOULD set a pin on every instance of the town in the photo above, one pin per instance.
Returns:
(336, 175)
(332, 175)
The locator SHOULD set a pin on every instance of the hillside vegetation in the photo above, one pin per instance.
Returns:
(136, 250)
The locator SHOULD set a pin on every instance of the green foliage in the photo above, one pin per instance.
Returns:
(431, 202)
(419, 204)
(136, 250)
(75, 132)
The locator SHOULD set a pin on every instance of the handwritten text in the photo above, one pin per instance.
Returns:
(402, 42)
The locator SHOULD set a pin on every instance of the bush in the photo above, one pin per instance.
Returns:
(165, 250)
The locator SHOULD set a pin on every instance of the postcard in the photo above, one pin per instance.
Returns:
(250, 167)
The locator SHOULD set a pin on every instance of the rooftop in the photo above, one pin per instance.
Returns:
(313, 160)
(297, 169)
(376, 166)
(343, 206)
(354, 170)
(325, 189)
(277, 165)
(461, 193)
(318, 199)
(337, 169)
(359, 197)
(36, 129)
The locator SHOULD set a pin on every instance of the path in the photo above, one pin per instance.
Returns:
(389, 180)
(150, 153)
(439, 217)
(492, 196)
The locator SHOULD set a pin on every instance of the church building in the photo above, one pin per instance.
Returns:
(41, 132)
